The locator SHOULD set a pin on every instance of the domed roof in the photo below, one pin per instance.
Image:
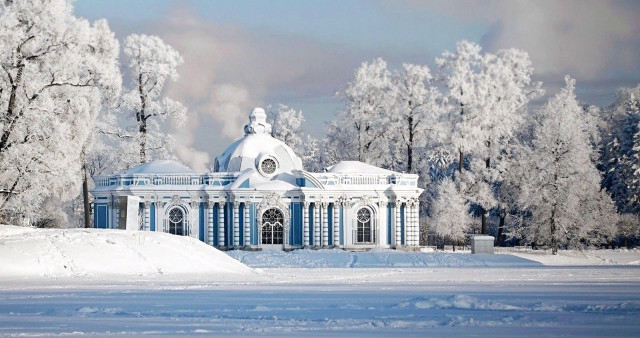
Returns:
(258, 150)
(160, 167)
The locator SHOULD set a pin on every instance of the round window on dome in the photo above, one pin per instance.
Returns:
(268, 166)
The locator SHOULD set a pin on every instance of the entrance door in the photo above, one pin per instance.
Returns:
(272, 236)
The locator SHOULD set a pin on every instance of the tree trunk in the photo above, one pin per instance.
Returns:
(554, 242)
(85, 197)
(501, 227)
(484, 221)
(409, 158)
(11, 118)
(460, 162)
(410, 146)
(143, 141)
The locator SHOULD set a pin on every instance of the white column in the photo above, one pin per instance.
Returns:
(305, 219)
(325, 224)
(147, 216)
(408, 240)
(210, 223)
(398, 224)
(116, 214)
(336, 224)
(236, 224)
(221, 224)
(408, 233)
(247, 225)
(156, 213)
(316, 224)
(407, 223)
(347, 225)
(416, 224)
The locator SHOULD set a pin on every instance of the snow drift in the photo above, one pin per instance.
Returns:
(29, 252)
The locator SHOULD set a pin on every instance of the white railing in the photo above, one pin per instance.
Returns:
(367, 179)
(141, 180)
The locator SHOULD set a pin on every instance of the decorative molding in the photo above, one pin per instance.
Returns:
(194, 204)
(175, 199)
(344, 200)
(273, 200)
(366, 201)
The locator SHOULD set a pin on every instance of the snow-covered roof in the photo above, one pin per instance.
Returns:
(256, 145)
(357, 167)
(160, 167)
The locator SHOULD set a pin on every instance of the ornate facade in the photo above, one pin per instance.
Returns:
(259, 197)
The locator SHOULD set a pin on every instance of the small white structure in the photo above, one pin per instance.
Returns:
(260, 197)
(482, 244)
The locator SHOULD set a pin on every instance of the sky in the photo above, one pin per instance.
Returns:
(241, 54)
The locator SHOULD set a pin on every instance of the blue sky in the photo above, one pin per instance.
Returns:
(240, 54)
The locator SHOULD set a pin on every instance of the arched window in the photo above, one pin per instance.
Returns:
(363, 231)
(176, 221)
(272, 229)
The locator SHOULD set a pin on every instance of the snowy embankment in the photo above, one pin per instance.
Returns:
(98, 253)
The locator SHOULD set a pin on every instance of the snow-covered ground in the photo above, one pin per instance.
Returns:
(203, 291)
(337, 258)
(577, 257)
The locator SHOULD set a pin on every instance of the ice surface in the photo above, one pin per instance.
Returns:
(489, 301)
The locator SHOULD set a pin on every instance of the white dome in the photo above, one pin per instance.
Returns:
(255, 147)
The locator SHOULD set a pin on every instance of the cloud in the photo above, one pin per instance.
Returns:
(588, 38)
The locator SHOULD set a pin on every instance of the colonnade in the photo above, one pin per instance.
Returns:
(315, 233)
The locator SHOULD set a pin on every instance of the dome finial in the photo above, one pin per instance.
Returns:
(257, 122)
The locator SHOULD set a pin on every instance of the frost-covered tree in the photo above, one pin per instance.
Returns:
(629, 229)
(151, 63)
(450, 216)
(562, 185)
(618, 156)
(416, 103)
(360, 134)
(57, 72)
(286, 126)
(488, 94)
(633, 182)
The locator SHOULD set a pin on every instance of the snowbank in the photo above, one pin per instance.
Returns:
(577, 257)
(28, 252)
(336, 258)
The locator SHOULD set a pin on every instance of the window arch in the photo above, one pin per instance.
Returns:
(176, 221)
(272, 227)
(363, 228)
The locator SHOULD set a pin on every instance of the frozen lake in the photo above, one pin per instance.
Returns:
(529, 301)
